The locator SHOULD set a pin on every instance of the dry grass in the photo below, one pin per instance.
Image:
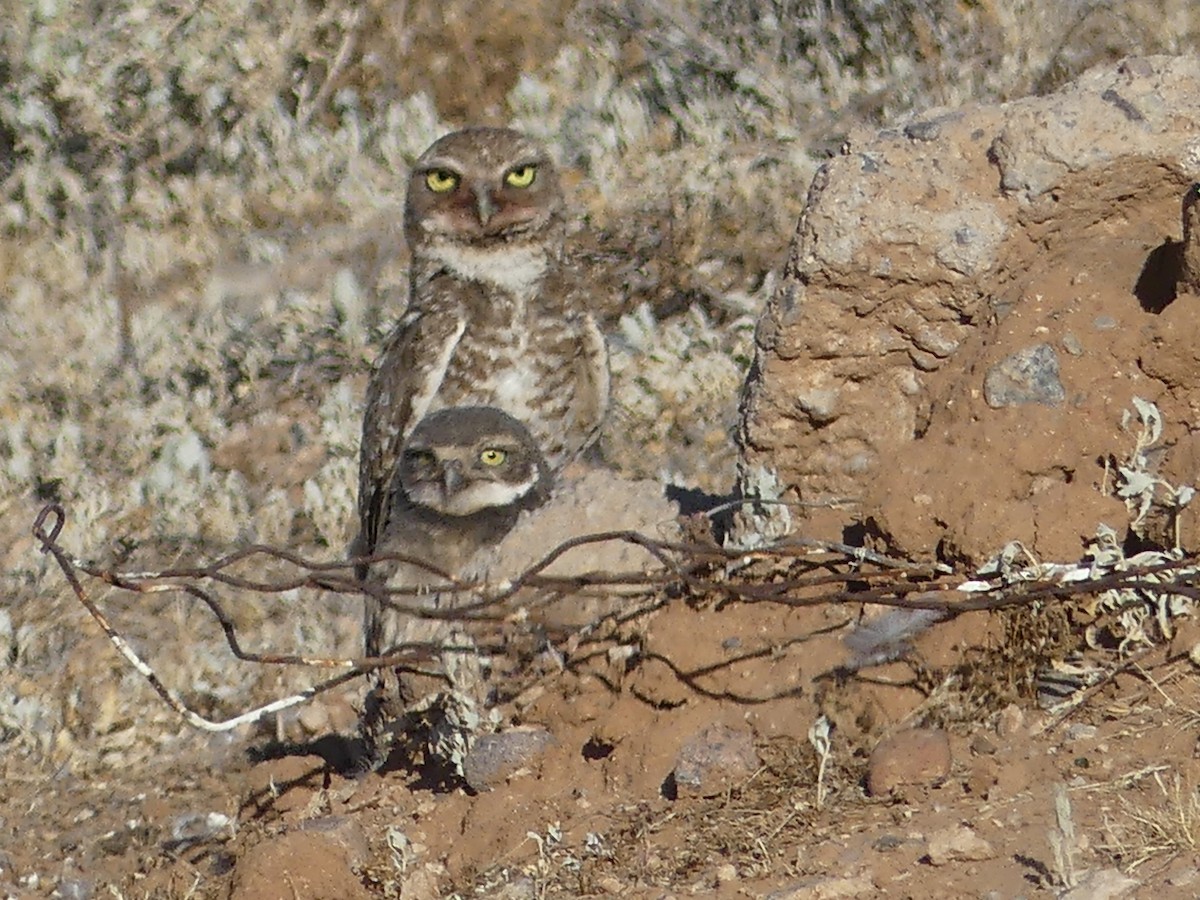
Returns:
(1167, 823)
(200, 250)
(755, 827)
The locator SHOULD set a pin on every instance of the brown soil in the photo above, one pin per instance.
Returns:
(152, 810)
(599, 814)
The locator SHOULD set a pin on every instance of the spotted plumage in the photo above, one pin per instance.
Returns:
(495, 315)
(464, 476)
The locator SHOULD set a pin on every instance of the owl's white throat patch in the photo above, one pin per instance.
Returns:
(472, 498)
(516, 269)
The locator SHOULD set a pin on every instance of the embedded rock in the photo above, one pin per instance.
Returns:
(714, 760)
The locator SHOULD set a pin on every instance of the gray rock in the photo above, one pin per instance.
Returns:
(717, 758)
(1081, 731)
(1028, 376)
(496, 757)
(958, 843)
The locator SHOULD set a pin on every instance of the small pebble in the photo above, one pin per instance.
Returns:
(1028, 376)
(958, 843)
(982, 745)
(713, 760)
(1010, 721)
(1081, 732)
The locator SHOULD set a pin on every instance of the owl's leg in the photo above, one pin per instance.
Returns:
(393, 690)
(425, 718)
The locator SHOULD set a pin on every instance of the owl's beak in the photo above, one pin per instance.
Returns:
(485, 207)
(452, 476)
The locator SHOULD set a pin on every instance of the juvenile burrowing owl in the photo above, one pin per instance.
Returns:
(496, 316)
(464, 477)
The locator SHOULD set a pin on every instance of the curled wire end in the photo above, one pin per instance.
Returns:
(39, 525)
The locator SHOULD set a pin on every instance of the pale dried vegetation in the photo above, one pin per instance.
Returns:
(1155, 814)
(200, 252)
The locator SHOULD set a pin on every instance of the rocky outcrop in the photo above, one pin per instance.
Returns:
(971, 303)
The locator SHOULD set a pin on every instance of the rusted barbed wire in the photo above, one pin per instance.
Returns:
(834, 573)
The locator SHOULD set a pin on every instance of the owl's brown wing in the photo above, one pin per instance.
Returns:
(593, 383)
(405, 382)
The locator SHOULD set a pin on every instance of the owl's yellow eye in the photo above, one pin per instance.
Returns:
(492, 456)
(521, 176)
(440, 180)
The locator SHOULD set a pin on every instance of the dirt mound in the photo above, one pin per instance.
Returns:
(971, 304)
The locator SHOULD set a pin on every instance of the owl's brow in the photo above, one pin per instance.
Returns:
(438, 164)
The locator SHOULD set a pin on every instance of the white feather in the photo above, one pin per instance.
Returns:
(473, 498)
(423, 397)
(513, 390)
(517, 270)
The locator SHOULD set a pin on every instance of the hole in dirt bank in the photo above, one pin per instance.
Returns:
(854, 534)
(948, 553)
(597, 748)
(695, 502)
(1133, 545)
(1155, 287)
(868, 535)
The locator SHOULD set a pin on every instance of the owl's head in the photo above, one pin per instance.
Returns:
(466, 459)
(482, 185)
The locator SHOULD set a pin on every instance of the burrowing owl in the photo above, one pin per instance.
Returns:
(496, 316)
(464, 477)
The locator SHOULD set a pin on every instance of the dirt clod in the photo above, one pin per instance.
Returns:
(308, 864)
(912, 757)
(958, 843)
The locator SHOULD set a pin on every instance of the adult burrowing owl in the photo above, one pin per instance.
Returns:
(495, 315)
(464, 477)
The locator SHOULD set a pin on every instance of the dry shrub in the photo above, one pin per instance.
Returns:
(199, 207)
